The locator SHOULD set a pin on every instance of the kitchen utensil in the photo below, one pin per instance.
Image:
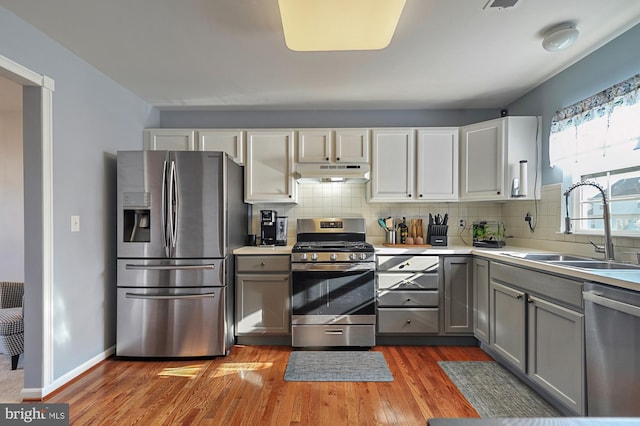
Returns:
(446, 219)
(389, 222)
(383, 224)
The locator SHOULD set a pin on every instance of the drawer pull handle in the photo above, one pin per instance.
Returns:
(408, 300)
(408, 321)
(334, 332)
(519, 296)
(402, 266)
(262, 263)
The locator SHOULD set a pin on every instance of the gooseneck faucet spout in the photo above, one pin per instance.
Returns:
(608, 243)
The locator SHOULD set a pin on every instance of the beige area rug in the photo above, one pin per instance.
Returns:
(11, 381)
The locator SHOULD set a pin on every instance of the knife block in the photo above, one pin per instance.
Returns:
(437, 235)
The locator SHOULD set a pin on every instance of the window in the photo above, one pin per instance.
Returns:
(598, 140)
(622, 188)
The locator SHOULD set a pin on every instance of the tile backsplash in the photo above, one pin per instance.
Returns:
(349, 200)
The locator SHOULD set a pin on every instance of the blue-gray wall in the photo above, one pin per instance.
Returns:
(93, 117)
(611, 64)
(324, 118)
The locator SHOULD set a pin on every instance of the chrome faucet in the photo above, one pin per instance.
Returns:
(607, 249)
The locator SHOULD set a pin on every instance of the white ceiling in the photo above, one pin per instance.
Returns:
(231, 55)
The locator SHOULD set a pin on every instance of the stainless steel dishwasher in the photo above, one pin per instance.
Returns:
(612, 332)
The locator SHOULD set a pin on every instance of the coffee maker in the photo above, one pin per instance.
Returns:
(268, 227)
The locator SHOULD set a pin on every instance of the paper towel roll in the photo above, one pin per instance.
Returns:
(523, 178)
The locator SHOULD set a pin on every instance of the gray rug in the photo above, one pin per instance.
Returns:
(495, 392)
(337, 366)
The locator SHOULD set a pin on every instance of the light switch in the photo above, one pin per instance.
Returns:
(75, 223)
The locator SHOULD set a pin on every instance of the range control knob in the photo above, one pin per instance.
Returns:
(314, 256)
(333, 256)
(303, 256)
(353, 256)
(363, 256)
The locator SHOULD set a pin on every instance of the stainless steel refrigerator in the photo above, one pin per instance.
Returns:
(180, 215)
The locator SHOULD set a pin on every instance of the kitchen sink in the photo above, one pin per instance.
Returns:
(548, 257)
(594, 264)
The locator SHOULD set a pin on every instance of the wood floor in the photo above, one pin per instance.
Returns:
(247, 388)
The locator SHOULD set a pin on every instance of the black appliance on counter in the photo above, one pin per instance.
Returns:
(333, 284)
(268, 227)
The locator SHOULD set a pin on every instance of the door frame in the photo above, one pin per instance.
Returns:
(37, 111)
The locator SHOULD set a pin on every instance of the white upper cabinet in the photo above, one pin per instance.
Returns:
(315, 146)
(352, 145)
(327, 145)
(230, 141)
(437, 163)
(414, 165)
(169, 139)
(269, 167)
(392, 172)
(491, 152)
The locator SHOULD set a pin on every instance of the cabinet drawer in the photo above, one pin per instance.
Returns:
(270, 263)
(407, 298)
(413, 281)
(408, 320)
(408, 263)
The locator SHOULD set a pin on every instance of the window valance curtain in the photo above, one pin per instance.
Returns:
(607, 123)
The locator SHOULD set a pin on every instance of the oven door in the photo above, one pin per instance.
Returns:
(333, 293)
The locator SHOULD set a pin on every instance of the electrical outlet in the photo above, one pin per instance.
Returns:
(462, 224)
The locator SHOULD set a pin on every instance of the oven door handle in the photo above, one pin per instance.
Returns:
(333, 267)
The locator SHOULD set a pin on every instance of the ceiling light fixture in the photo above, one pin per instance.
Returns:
(330, 25)
(560, 37)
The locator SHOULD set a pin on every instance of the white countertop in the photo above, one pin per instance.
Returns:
(629, 279)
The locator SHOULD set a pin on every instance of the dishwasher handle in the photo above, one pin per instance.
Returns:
(594, 297)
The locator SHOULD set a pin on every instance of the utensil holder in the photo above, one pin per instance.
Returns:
(390, 237)
(437, 235)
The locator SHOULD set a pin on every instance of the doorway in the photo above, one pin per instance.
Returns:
(37, 154)
(11, 216)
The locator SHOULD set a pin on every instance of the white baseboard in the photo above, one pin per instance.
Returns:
(39, 393)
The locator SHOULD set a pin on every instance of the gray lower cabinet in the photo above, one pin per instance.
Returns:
(408, 295)
(458, 295)
(481, 299)
(537, 326)
(507, 307)
(263, 295)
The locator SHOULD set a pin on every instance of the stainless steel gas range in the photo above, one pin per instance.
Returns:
(333, 285)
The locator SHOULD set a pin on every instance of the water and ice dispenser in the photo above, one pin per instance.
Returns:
(137, 217)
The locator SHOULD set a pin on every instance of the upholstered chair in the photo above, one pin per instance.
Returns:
(11, 320)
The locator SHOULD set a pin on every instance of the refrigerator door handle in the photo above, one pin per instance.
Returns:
(169, 267)
(173, 207)
(163, 204)
(169, 296)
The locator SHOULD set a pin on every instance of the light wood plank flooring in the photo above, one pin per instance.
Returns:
(247, 388)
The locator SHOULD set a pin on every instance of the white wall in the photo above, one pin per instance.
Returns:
(11, 183)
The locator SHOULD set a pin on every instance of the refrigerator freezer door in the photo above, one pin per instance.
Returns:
(171, 272)
(171, 322)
